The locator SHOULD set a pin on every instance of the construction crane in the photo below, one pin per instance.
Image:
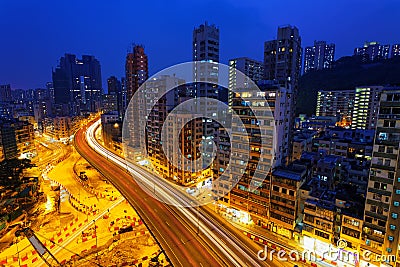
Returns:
(43, 252)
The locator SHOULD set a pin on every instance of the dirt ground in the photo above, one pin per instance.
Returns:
(124, 251)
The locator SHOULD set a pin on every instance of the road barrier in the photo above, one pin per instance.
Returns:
(90, 189)
(81, 207)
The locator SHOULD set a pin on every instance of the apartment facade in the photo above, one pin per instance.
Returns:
(136, 73)
(338, 103)
(382, 209)
(253, 70)
(25, 137)
(254, 203)
(319, 56)
(184, 133)
(366, 107)
(282, 62)
(284, 212)
(77, 82)
(395, 50)
(372, 51)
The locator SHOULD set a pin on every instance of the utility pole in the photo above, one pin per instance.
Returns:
(95, 233)
(19, 260)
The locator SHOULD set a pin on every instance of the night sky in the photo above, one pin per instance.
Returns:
(35, 34)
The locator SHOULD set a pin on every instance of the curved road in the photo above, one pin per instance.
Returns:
(180, 242)
(189, 236)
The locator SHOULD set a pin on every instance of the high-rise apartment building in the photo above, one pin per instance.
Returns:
(136, 70)
(243, 73)
(109, 103)
(175, 157)
(319, 56)
(372, 51)
(24, 135)
(256, 203)
(153, 113)
(17, 138)
(252, 69)
(278, 99)
(395, 50)
(282, 62)
(8, 141)
(5, 93)
(124, 102)
(183, 149)
(366, 106)
(206, 44)
(113, 85)
(136, 73)
(77, 82)
(241, 198)
(205, 48)
(282, 57)
(382, 208)
(115, 93)
(338, 103)
(50, 89)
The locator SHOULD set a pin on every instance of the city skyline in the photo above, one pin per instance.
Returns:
(202, 143)
(111, 38)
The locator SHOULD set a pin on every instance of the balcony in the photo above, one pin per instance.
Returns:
(380, 179)
(383, 167)
(374, 226)
(389, 104)
(283, 184)
(391, 142)
(378, 191)
(385, 155)
(375, 215)
(375, 238)
(281, 203)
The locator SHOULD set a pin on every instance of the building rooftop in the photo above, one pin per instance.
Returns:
(344, 197)
(292, 172)
(330, 159)
(310, 156)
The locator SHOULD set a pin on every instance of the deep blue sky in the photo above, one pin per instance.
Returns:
(35, 34)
